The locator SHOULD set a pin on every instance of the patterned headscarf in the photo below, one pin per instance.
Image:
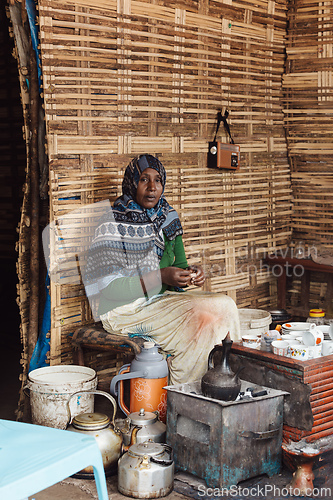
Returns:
(129, 238)
(134, 170)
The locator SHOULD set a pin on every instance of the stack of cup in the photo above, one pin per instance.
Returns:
(306, 344)
(303, 341)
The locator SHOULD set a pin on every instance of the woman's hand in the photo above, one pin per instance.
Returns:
(197, 275)
(175, 276)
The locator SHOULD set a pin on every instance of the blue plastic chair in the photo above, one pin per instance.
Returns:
(34, 457)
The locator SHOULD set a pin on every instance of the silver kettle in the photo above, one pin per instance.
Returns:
(146, 470)
(99, 425)
(148, 428)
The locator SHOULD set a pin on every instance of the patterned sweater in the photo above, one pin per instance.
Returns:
(125, 290)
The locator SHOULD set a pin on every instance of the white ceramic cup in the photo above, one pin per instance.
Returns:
(295, 334)
(313, 336)
(325, 329)
(304, 352)
(280, 347)
(251, 341)
(288, 337)
(299, 352)
(315, 351)
(291, 340)
(327, 347)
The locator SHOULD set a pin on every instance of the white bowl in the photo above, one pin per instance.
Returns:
(251, 341)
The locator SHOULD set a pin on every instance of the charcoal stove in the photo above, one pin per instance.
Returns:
(225, 442)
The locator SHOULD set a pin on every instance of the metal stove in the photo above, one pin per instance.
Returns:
(225, 442)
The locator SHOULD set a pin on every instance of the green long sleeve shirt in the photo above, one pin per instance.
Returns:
(125, 290)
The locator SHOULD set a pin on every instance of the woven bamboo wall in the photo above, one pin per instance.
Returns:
(127, 77)
(308, 86)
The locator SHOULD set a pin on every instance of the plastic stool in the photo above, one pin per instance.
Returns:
(34, 457)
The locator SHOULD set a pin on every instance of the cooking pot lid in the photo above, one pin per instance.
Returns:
(147, 448)
(280, 313)
(91, 421)
(142, 417)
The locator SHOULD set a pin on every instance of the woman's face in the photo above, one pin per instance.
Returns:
(149, 188)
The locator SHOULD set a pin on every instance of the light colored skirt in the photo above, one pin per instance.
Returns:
(186, 325)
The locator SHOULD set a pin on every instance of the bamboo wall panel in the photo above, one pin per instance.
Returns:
(127, 77)
(308, 90)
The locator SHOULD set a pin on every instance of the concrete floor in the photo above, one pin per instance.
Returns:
(76, 489)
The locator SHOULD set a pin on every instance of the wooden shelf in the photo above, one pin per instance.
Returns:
(289, 266)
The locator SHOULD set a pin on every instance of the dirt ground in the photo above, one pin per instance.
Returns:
(79, 489)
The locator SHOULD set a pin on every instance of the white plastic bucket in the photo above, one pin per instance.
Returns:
(50, 388)
(254, 321)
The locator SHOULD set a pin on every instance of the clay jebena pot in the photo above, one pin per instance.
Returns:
(220, 382)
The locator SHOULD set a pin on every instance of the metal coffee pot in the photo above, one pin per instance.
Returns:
(148, 375)
(148, 426)
(99, 425)
(146, 471)
(220, 382)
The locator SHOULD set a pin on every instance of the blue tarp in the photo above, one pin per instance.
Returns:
(39, 356)
(34, 30)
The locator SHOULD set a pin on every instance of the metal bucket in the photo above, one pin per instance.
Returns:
(50, 388)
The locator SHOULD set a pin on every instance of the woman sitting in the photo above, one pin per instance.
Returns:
(137, 266)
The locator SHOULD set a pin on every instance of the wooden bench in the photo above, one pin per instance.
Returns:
(94, 337)
(105, 352)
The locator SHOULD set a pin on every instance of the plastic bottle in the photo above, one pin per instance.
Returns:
(316, 316)
(269, 337)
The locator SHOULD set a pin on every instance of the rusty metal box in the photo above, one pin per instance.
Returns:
(224, 442)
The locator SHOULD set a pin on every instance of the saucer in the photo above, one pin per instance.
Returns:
(300, 326)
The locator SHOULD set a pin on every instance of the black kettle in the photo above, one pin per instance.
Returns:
(221, 382)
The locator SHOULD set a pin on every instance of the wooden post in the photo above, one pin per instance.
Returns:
(34, 216)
